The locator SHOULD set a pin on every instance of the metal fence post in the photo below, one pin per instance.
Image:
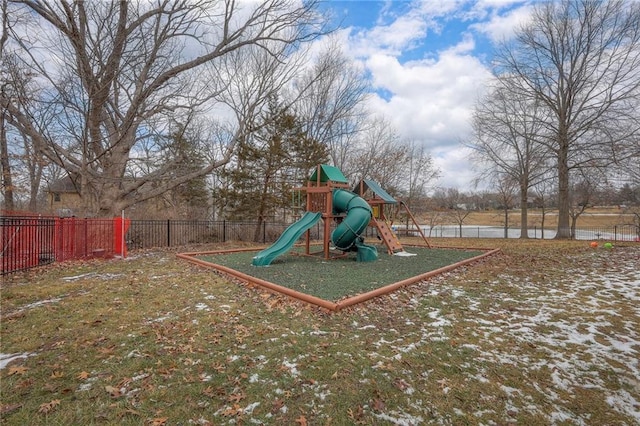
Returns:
(168, 232)
(224, 231)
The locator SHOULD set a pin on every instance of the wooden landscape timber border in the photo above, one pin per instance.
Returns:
(326, 304)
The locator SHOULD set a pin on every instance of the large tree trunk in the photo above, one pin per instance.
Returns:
(506, 222)
(524, 226)
(563, 231)
(7, 182)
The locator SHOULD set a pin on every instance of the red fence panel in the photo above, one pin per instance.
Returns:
(30, 241)
(121, 227)
(83, 238)
(26, 242)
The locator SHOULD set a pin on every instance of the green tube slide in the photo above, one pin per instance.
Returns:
(353, 225)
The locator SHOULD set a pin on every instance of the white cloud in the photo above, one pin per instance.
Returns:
(438, 8)
(455, 168)
(501, 27)
(431, 97)
(403, 33)
(432, 101)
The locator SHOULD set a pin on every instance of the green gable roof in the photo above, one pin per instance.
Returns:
(377, 190)
(328, 173)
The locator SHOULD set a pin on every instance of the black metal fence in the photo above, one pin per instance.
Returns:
(175, 233)
(28, 242)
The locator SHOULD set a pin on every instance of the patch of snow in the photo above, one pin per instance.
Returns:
(5, 359)
(410, 347)
(367, 327)
(107, 276)
(292, 367)
(40, 303)
(404, 254)
(169, 315)
(78, 277)
(455, 293)
(625, 403)
(438, 321)
(84, 387)
(249, 408)
(400, 419)
(140, 377)
(202, 307)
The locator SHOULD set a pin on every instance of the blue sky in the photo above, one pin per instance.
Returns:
(428, 62)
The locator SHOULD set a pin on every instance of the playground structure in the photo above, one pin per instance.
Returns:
(328, 198)
(378, 199)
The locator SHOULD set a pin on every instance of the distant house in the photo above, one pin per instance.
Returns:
(64, 197)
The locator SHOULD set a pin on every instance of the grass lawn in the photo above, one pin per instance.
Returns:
(545, 332)
(338, 278)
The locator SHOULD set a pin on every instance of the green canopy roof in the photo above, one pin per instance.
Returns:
(328, 173)
(377, 190)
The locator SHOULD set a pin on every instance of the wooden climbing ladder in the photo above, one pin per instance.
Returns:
(387, 235)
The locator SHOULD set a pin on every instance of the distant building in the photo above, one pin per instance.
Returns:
(63, 196)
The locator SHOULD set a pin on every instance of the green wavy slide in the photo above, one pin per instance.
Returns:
(287, 239)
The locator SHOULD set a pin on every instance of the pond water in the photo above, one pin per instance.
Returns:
(473, 231)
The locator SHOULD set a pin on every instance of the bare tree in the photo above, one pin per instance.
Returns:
(583, 189)
(380, 154)
(5, 164)
(458, 209)
(420, 172)
(116, 72)
(506, 128)
(542, 192)
(581, 60)
(330, 101)
(22, 164)
(507, 188)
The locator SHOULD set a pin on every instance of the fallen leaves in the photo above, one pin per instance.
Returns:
(19, 370)
(48, 407)
(232, 411)
(57, 375)
(9, 408)
(358, 366)
(356, 415)
(277, 406)
(378, 405)
(113, 391)
(401, 384)
(236, 397)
